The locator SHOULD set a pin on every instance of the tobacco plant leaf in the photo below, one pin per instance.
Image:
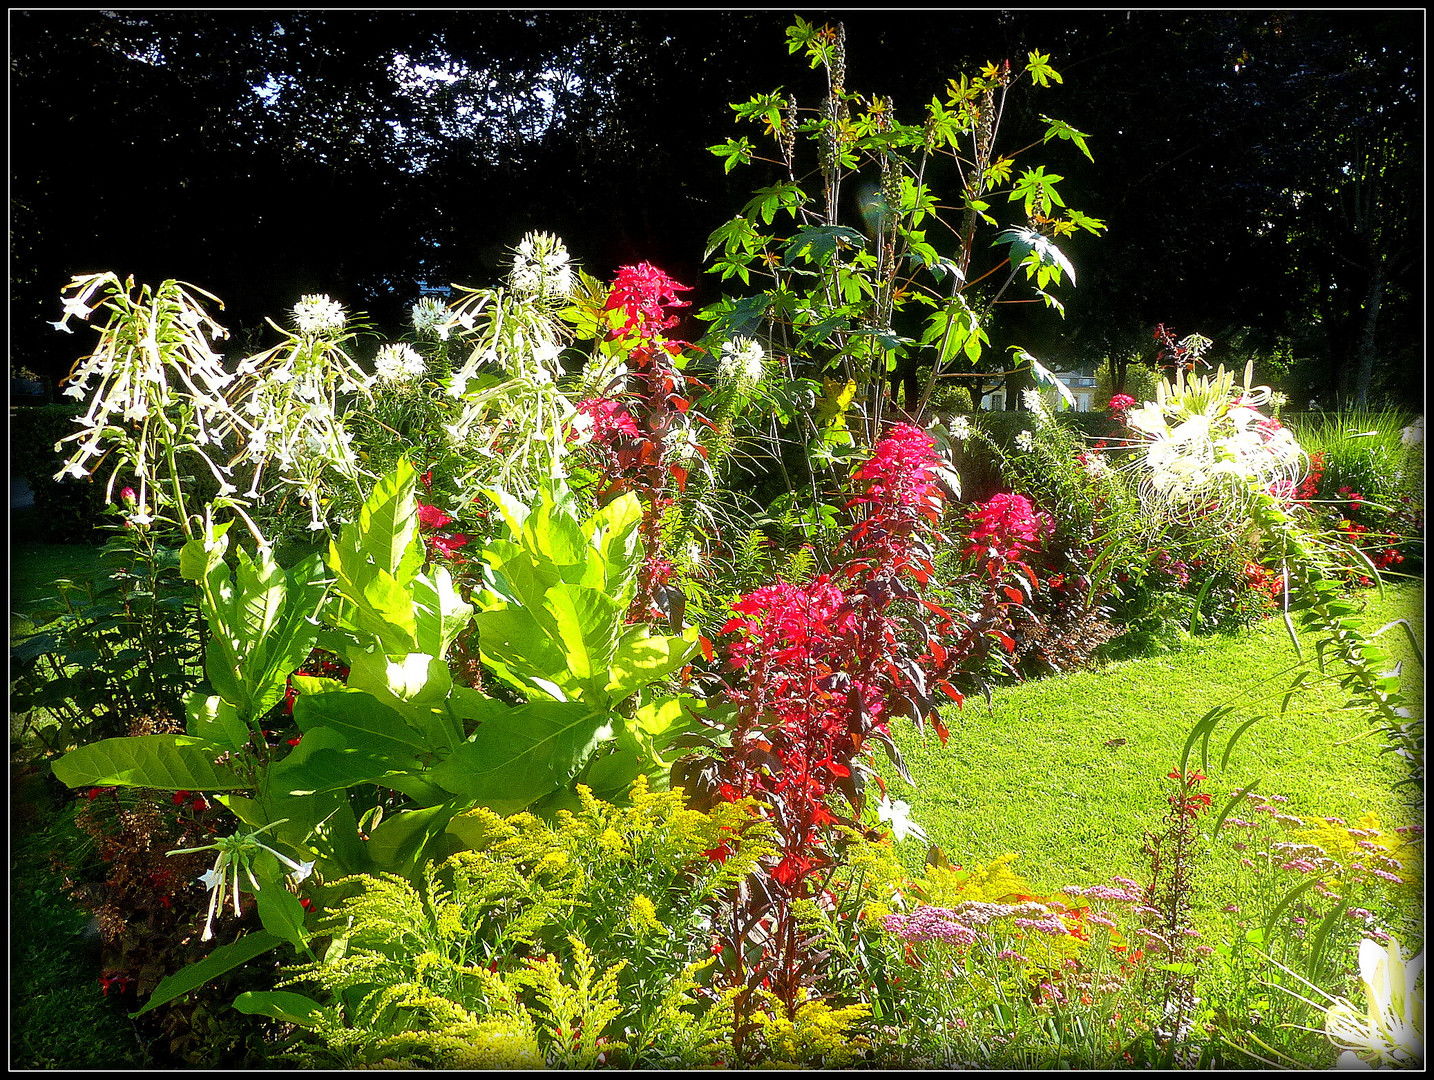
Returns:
(165, 762)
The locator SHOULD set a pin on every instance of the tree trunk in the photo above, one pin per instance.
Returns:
(1364, 342)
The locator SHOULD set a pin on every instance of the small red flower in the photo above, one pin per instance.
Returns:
(431, 517)
(180, 796)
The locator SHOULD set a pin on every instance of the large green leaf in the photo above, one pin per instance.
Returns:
(398, 843)
(588, 621)
(388, 523)
(440, 614)
(329, 759)
(517, 646)
(520, 754)
(361, 718)
(282, 914)
(214, 720)
(166, 762)
(280, 1005)
(225, 958)
(643, 658)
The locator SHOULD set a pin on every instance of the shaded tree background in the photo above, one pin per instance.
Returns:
(1259, 172)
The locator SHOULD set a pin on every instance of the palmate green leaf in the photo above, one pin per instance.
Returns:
(518, 755)
(818, 243)
(166, 762)
(225, 958)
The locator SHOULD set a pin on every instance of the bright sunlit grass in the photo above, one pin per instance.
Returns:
(1069, 772)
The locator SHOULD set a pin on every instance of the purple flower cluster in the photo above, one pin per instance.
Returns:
(930, 924)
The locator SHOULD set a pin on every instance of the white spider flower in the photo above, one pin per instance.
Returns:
(742, 361)
(1208, 448)
(430, 316)
(960, 428)
(1025, 442)
(1390, 1033)
(398, 364)
(541, 267)
(1413, 435)
(236, 856)
(317, 313)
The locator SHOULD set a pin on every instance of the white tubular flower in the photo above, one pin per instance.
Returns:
(1390, 1033)
(235, 856)
(897, 814)
(398, 364)
(316, 313)
(742, 361)
(541, 267)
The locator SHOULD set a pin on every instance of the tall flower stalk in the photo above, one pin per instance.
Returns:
(156, 390)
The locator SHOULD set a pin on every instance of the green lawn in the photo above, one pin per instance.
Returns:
(1068, 772)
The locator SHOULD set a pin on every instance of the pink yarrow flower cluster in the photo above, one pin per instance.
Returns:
(930, 924)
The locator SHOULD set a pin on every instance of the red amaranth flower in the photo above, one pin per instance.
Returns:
(642, 292)
(1009, 524)
(608, 418)
(431, 517)
(901, 467)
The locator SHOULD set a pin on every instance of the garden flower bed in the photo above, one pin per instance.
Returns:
(542, 690)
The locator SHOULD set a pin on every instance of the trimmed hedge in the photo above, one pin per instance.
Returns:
(66, 511)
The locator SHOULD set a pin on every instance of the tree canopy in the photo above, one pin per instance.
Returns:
(1258, 171)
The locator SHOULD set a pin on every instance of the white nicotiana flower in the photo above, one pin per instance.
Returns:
(541, 267)
(235, 857)
(741, 361)
(398, 364)
(316, 313)
(1390, 1033)
(1025, 442)
(897, 814)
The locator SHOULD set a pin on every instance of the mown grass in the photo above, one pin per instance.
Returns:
(1069, 772)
